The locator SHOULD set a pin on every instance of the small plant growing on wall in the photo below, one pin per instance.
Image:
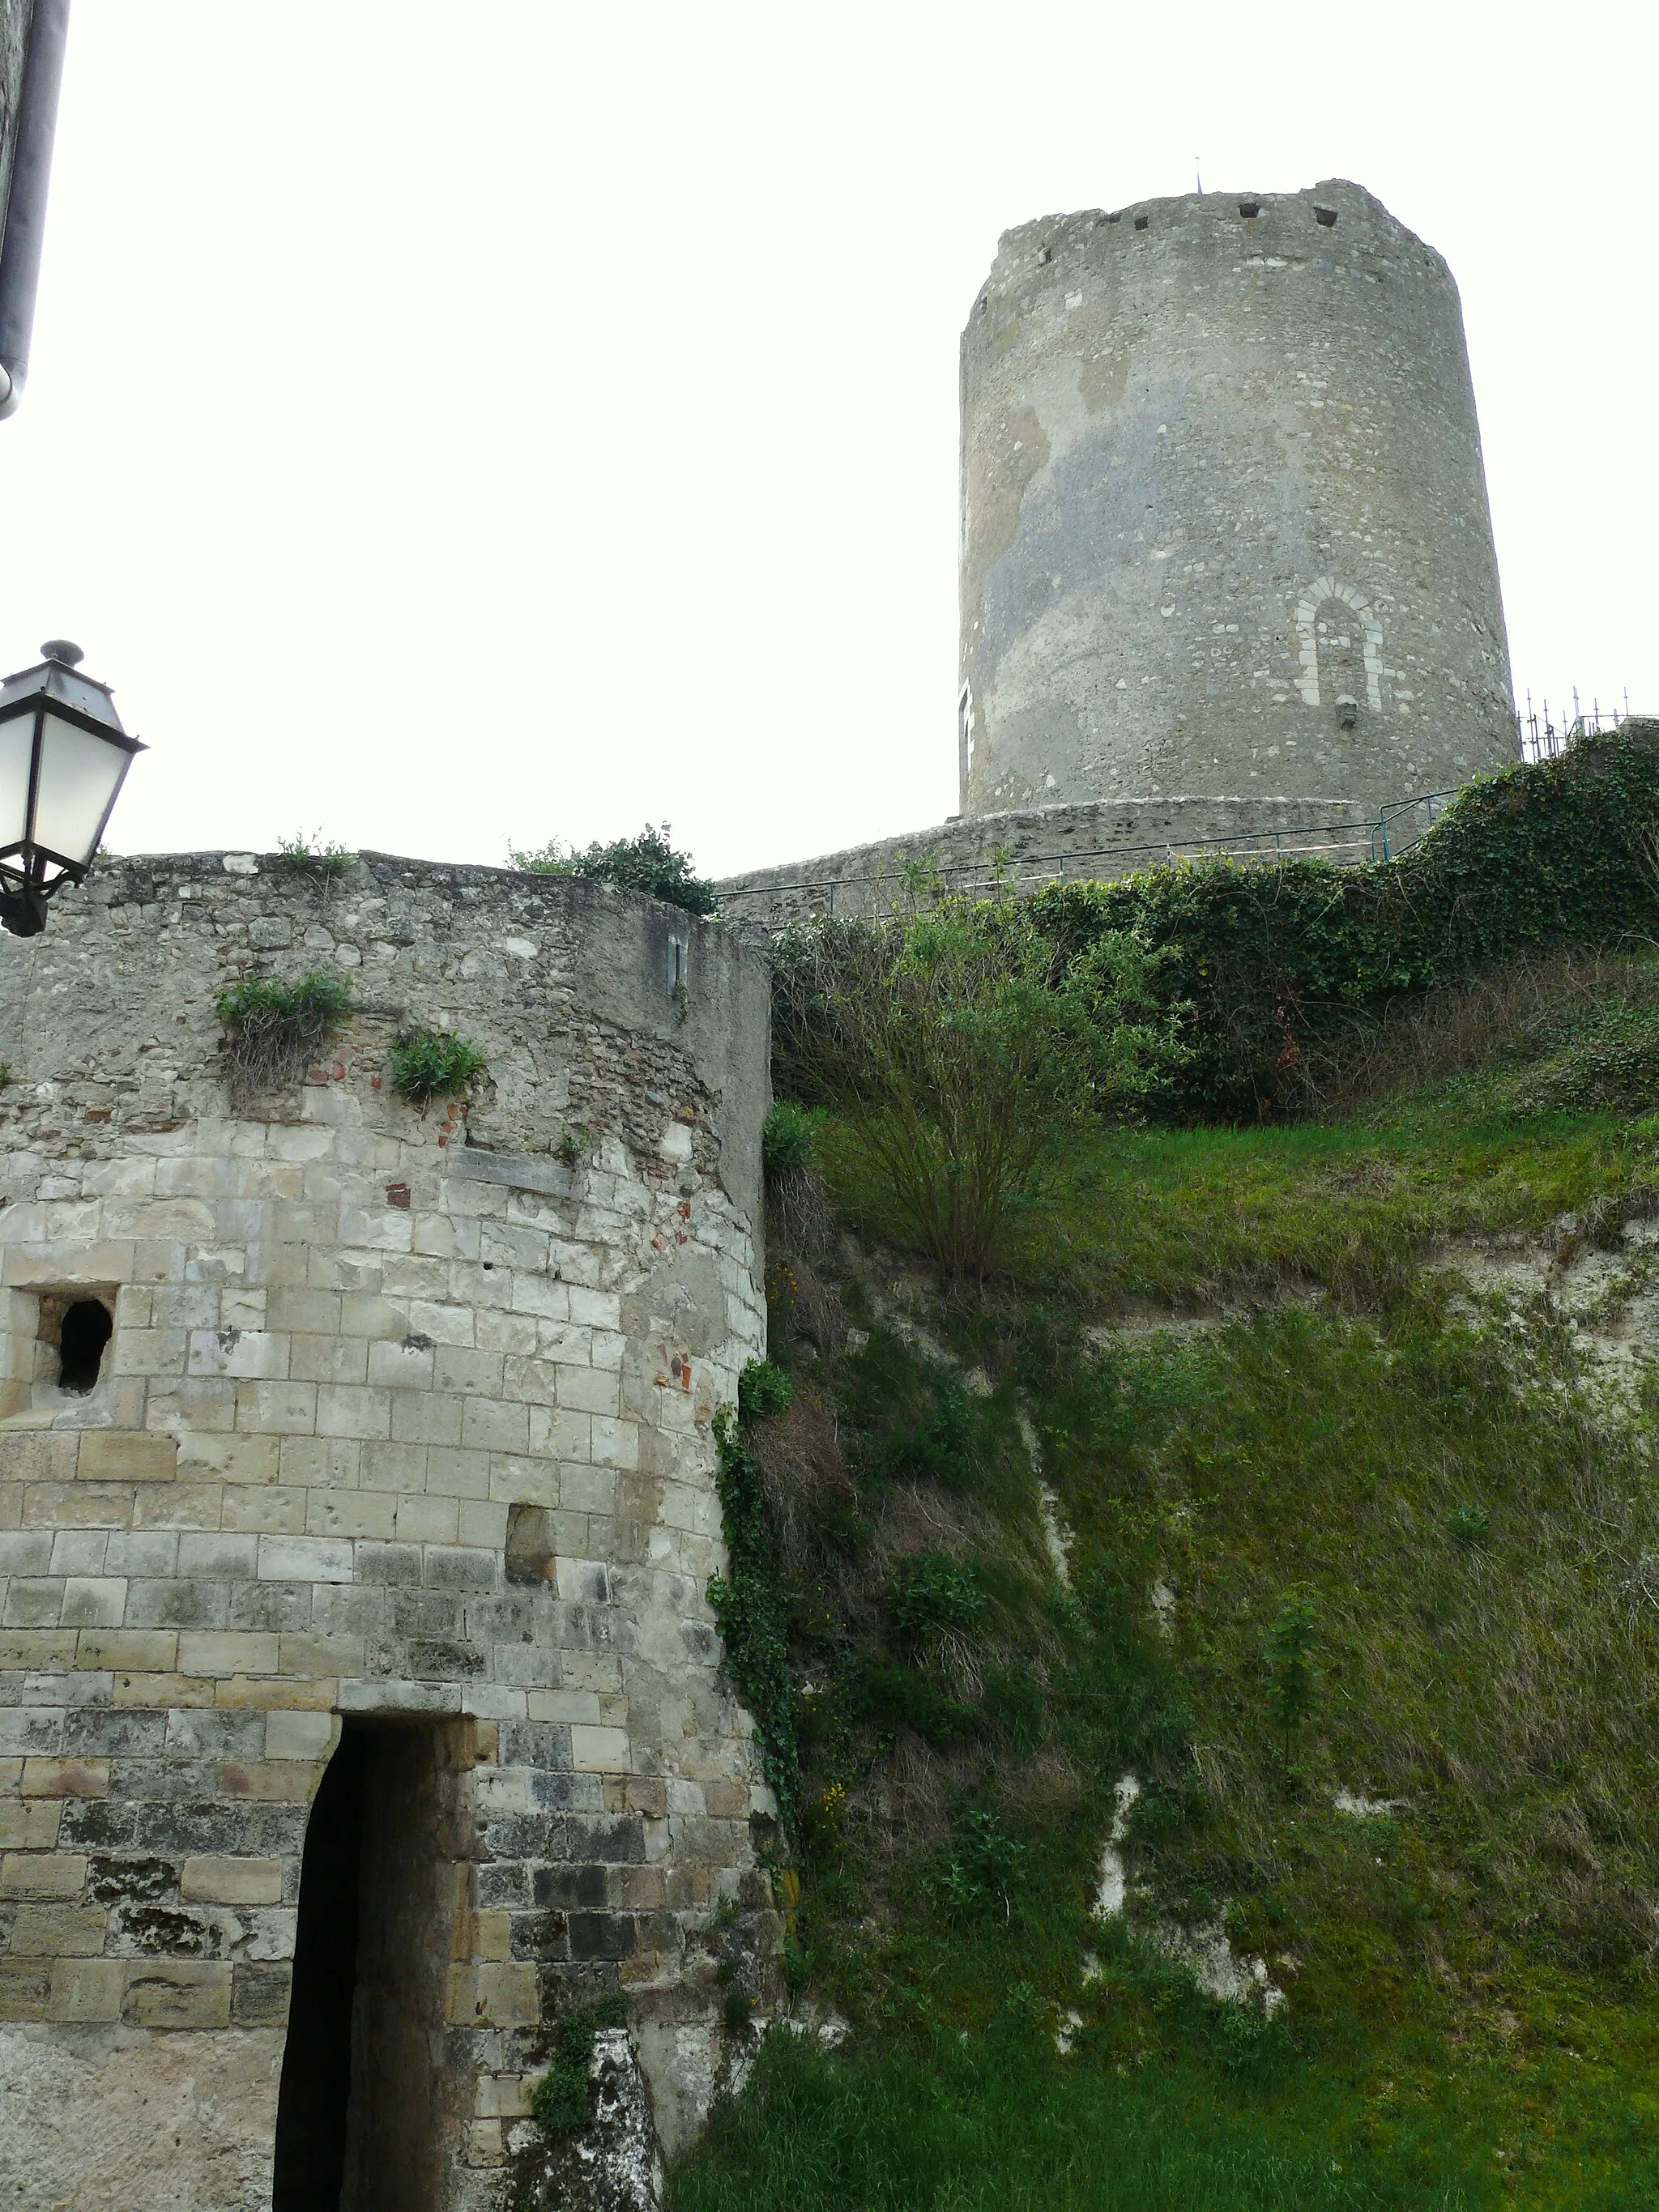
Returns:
(559, 2103)
(275, 1029)
(315, 856)
(574, 1145)
(763, 1391)
(646, 863)
(428, 1064)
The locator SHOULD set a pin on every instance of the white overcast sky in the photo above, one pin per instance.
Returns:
(465, 423)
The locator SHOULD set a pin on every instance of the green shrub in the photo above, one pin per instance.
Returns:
(1469, 1524)
(961, 1051)
(1267, 965)
(790, 1134)
(931, 1592)
(1292, 1669)
(763, 1391)
(1608, 1060)
(317, 1000)
(561, 2101)
(276, 1028)
(976, 1869)
(428, 1064)
(646, 863)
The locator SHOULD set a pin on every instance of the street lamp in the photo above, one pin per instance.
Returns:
(63, 757)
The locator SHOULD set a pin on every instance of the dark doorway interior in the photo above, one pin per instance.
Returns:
(367, 2108)
(85, 1331)
(311, 2106)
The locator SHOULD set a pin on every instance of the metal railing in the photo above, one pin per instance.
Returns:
(1403, 821)
(1543, 734)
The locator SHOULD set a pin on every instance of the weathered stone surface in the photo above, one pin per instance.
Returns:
(117, 2118)
(616, 2165)
(404, 1418)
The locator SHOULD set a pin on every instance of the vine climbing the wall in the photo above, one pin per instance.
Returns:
(750, 1600)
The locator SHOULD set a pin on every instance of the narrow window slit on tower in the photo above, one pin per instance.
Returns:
(86, 1330)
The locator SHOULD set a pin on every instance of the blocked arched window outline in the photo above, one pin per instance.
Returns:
(1307, 618)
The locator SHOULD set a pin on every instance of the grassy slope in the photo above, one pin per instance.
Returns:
(1471, 2016)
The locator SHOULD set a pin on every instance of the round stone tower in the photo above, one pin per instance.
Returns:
(1224, 517)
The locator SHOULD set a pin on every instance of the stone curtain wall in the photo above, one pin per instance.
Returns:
(405, 1414)
(1221, 470)
(988, 855)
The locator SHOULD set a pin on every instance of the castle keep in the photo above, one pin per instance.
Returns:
(1221, 475)
(1227, 572)
(339, 1430)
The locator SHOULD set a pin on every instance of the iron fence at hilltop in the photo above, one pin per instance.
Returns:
(1542, 734)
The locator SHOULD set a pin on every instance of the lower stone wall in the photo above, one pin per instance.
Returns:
(399, 1450)
(985, 855)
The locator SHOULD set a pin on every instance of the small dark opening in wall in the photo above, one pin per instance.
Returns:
(316, 2086)
(86, 1330)
(530, 1556)
(1140, 222)
(1249, 209)
(1326, 215)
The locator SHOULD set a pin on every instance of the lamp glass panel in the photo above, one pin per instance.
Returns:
(79, 776)
(16, 744)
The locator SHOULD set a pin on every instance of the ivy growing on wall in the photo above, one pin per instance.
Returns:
(562, 2100)
(750, 1600)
